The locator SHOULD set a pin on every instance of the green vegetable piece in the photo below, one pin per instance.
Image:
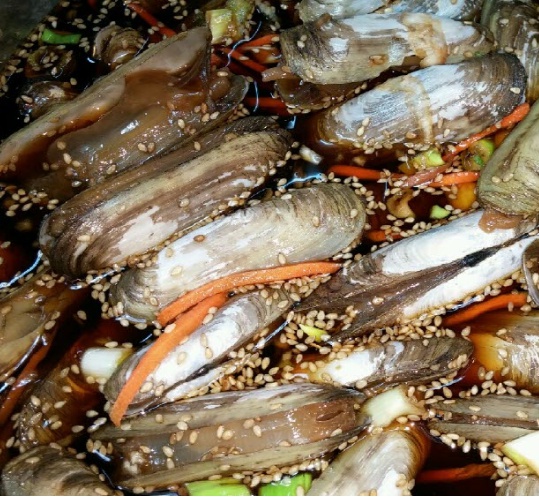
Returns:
(243, 10)
(437, 212)
(60, 37)
(483, 148)
(429, 158)
(316, 333)
(222, 23)
(288, 485)
(224, 486)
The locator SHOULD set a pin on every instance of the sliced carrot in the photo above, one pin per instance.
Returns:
(25, 378)
(448, 475)
(492, 304)
(515, 117)
(255, 277)
(464, 197)
(259, 42)
(379, 236)
(456, 178)
(185, 325)
(151, 20)
(244, 60)
(358, 172)
(424, 177)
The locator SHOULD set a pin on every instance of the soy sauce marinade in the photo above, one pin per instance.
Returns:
(393, 213)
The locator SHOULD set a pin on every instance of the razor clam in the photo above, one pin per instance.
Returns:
(486, 418)
(379, 366)
(530, 268)
(231, 432)
(464, 10)
(382, 462)
(515, 351)
(160, 198)
(30, 316)
(423, 273)
(243, 319)
(50, 471)
(115, 46)
(515, 28)
(436, 104)
(38, 98)
(307, 225)
(520, 485)
(509, 183)
(331, 51)
(148, 105)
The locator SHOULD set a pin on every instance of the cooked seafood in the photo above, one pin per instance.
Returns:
(310, 10)
(245, 318)
(379, 366)
(365, 466)
(163, 197)
(355, 49)
(42, 96)
(520, 485)
(433, 105)
(514, 26)
(417, 275)
(509, 183)
(231, 432)
(50, 471)
(69, 141)
(309, 224)
(115, 45)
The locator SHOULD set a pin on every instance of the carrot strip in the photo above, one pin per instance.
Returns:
(255, 277)
(259, 42)
(265, 103)
(244, 60)
(379, 236)
(475, 310)
(22, 381)
(151, 20)
(185, 325)
(356, 171)
(456, 178)
(448, 475)
(424, 177)
(515, 117)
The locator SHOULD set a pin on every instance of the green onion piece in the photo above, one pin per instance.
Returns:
(243, 10)
(60, 37)
(429, 158)
(288, 485)
(223, 486)
(222, 23)
(316, 333)
(478, 154)
(438, 212)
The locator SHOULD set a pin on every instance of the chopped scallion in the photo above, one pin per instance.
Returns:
(438, 212)
(288, 485)
(224, 486)
(60, 37)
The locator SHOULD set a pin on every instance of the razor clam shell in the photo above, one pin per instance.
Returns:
(463, 10)
(331, 51)
(235, 324)
(308, 225)
(124, 217)
(515, 28)
(520, 485)
(530, 266)
(102, 95)
(380, 366)
(274, 426)
(436, 104)
(311, 10)
(378, 462)
(509, 182)
(516, 351)
(490, 418)
(420, 274)
(48, 471)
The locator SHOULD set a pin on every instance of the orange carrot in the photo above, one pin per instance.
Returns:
(358, 172)
(151, 20)
(448, 475)
(456, 178)
(379, 236)
(255, 277)
(260, 41)
(25, 378)
(185, 325)
(424, 177)
(244, 60)
(515, 117)
(475, 310)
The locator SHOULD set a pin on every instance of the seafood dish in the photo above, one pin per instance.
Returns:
(252, 247)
